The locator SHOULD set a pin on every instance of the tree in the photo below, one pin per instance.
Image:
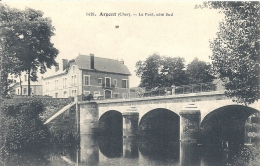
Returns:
(198, 72)
(22, 128)
(148, 70)
(173, 72)
(235, 56)
(161, 71)
(25, 41)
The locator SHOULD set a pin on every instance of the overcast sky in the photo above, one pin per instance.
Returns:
(186, 33)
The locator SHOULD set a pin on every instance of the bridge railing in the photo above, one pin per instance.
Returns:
(194, 88)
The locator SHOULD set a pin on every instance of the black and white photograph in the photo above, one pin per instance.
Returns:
(129, 83)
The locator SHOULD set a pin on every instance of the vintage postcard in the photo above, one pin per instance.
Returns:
(129, 83)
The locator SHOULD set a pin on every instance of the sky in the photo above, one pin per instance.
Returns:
(184, 32)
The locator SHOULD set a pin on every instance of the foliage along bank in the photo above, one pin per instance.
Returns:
(21, 127)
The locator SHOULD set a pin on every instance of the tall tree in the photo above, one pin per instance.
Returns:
(161, 71)
(198, 72)
(26, 36)
(236, 49)
(148, 70)
(173, 72)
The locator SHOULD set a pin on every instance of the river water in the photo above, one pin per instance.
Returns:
(117, 151)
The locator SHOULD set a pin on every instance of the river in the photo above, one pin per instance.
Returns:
(117, 151)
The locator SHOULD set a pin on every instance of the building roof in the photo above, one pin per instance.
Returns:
(101, 64)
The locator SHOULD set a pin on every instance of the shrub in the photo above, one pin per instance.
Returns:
(22, 128)
(249, 155)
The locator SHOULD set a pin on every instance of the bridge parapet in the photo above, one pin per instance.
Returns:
(194, 88)
(213, 95)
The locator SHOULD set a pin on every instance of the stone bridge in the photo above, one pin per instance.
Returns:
(182, 115)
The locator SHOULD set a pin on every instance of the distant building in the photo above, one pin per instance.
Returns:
(86, 74)
(36, 86)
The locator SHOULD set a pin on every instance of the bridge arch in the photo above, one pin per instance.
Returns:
(110, 123)
(160, 122)
(225, 126)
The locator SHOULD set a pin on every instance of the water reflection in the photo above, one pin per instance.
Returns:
(159, 148)
(111, 147)
(105, 150)
(24, 159)
(215, 156)
(190, 154)
(130, 148)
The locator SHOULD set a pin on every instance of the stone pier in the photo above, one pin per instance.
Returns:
(88, 118)
(130, 122)
(190, 121)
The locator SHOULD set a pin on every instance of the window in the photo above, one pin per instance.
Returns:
(65, 94)
(56, 95)
(47, 86)
(64, 82)
(18, 91)
(86, 93)
(115, 82)
(73, 69)
(56, 84)
(25, 77)
(125, 95)
(96, 93)
(24, 91)
(72, 78)
(75, 80)
(100, 81)
(108, 82)
(116, 95)
(74, 93)
(86, 80)
(124, 84)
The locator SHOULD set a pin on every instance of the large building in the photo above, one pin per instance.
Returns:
(87, 74)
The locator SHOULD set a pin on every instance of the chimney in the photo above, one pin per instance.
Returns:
(56, 67)
(122, 61)
(92, 61)
(64, 64)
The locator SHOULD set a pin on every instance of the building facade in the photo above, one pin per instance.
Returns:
(86, 74)
(22, 89)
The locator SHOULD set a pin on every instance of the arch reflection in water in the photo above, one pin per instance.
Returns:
(160, 149)
(111, 146)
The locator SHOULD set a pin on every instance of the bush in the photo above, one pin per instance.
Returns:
(249, 156)
(22, 128)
